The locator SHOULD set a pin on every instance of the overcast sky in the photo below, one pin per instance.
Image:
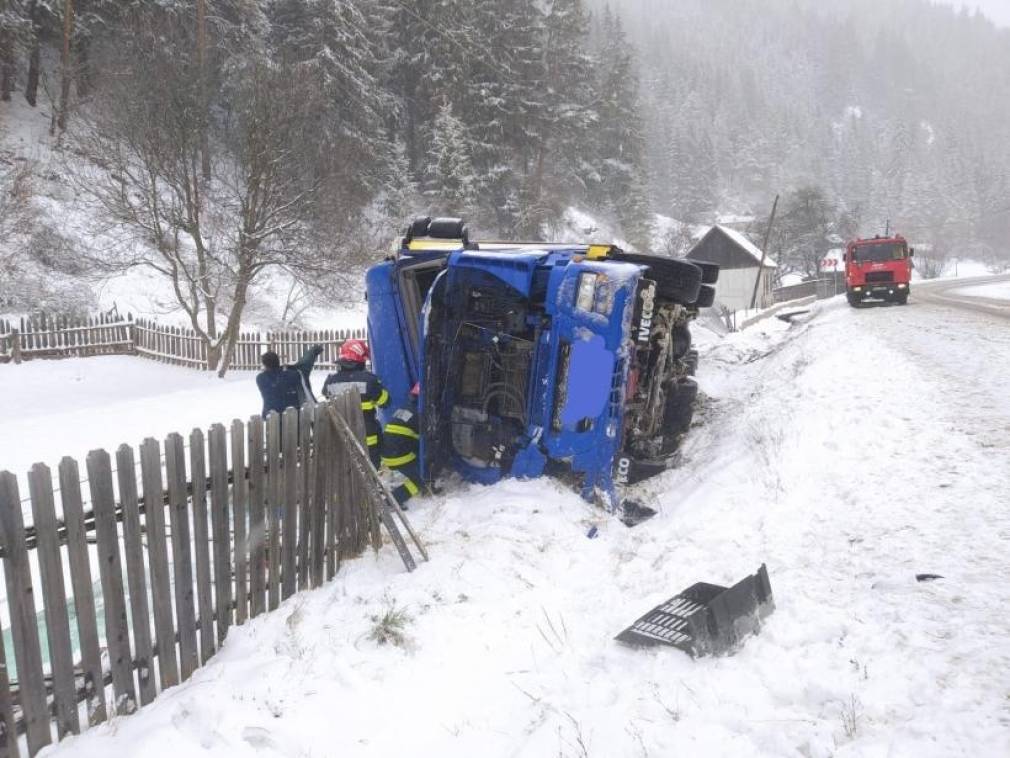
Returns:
(997, 10)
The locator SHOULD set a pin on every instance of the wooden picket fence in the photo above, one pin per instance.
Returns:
(285, 507)
(46, 336)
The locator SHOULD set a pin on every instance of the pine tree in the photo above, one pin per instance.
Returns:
(620, 142)
(451, 184)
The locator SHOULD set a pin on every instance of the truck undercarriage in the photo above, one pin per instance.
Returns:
(534, 359)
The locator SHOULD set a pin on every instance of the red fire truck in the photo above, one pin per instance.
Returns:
(878, 269)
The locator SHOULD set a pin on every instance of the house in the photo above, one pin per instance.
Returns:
(740, 265)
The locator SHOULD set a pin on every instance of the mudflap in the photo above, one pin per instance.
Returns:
(633, 514)
(706, 619)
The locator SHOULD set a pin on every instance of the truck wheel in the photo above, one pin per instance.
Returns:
(447, 228)
(680, 408)
(692, 362)
(709, 271)
(902, 299)
(678, 281)
(681, 341)
(706, 297)
(419, 227)
(854, 300)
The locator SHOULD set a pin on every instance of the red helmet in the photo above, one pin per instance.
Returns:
(354, 350)
(415, 391)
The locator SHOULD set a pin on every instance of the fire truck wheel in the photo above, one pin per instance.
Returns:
(854, 300)
(678, 281)
(902, 299)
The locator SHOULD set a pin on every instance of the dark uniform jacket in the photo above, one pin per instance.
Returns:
(287, 386)
(400, 438)
(373, 395)
(400, 444)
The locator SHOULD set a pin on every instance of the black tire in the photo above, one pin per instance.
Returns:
(902, 299)
(681, 341)
(418, 227)
(854, 300)
(676, 280)
(447, 228)
(709, 271)
(679, 409)
(706, 297)
(692, 362)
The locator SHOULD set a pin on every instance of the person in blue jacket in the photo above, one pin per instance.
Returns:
(283, 387)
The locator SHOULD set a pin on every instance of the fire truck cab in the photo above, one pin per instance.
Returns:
(878, 269)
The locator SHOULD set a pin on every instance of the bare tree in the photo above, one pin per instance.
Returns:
(143, 143)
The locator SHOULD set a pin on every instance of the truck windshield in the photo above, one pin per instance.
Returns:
(880, 252)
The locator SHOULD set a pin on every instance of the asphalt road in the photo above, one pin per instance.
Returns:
(945, 293)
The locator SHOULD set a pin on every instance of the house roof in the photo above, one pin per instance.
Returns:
(746, 245)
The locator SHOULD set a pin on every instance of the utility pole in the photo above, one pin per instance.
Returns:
(764, 253)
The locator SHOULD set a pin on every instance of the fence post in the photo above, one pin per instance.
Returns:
(54, 597)
(15, 346)
(84, 596)
(117, 630)
(24, 626)
(136, 574)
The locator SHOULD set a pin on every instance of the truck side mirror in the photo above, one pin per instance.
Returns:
(911, 252)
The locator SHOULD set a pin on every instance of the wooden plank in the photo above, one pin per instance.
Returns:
(84, 596)
(289, 538)
(219, 528)
(136, 574)
(306, 460)
(332, 503)
(117, 630)
(157, 555)
(239, 488)
(273, 508)
(54, 597)
(182, 556)
(24, 626)
(257, 497)
(8, 730)
(323, 455)
(201, 546)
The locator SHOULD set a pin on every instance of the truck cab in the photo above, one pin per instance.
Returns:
(878, 269)
(536, 358)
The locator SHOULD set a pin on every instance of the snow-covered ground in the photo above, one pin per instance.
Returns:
(68, 407)
(996, 291)
(849, 453)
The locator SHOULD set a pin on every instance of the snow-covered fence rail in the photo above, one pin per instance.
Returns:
(44, 336)
(161, 565)
(826, 286)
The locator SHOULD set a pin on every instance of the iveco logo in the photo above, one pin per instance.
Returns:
(648, 296)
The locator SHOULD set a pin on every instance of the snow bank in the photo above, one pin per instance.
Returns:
(68, 407)
(845, 452)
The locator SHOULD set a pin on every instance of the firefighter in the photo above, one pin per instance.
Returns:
(400, 442)
(352, 374)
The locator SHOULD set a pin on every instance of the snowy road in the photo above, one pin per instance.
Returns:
(849, 453)
(990, 294)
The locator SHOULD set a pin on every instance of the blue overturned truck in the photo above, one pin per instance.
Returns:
(570, 360)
